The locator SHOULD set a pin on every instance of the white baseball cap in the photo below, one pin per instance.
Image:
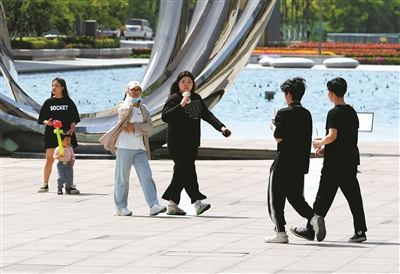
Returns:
(133, 84)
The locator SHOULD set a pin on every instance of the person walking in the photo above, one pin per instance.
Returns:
(292, 131)
(65, 165)
(341, 159)
(128, 139)
(183, 112)
(58, 107)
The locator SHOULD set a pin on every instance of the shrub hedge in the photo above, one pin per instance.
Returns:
(64, 42)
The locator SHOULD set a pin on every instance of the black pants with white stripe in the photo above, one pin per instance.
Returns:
(286, 184)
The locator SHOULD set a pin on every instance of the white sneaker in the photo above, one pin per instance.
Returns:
(277, 237)
(318, 224)
(122, 212)
(156, 209)
(200, 207)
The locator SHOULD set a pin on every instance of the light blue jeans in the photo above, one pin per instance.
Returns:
(126, 158)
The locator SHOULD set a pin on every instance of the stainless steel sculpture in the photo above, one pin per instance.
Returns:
(215, 45)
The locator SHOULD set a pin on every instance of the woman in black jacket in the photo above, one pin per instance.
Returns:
(183, 112)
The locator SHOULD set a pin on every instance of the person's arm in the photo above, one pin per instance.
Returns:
(145, 127)
(332, 135)
(277, 128)
(44, 116)
(172, 109)
(71, 128)
(210, 118)
(56, 153)
(72, 158)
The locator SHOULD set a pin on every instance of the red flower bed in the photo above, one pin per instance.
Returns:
(339, 45)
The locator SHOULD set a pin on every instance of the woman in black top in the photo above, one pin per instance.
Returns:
(183, 113)
(58, 107)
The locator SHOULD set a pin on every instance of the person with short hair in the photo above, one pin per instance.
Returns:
(292, 131)
(341, 159)
(128, 139)
(65, 165)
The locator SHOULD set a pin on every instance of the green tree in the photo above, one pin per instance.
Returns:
(362, 16)
(344, 16)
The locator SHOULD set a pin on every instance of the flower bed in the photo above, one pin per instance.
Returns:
(385, 54)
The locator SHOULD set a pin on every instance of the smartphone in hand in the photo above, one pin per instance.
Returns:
(226, 133)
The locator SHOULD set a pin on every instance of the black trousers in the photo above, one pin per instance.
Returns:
(334, 177)
(185, 176)
(286, 184)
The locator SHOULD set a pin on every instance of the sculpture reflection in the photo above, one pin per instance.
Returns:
(215, 45)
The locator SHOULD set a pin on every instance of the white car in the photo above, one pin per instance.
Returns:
(138, 29)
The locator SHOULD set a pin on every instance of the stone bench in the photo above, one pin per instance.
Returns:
(105, 53)
(69, 54)
(45, 54)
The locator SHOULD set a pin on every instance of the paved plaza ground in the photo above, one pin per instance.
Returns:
(48, 233)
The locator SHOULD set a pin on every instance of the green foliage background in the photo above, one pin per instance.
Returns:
(344, 16)
(34, 17)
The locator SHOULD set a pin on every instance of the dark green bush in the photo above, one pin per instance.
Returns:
(64, 42)
(140, 51)
(37, 43)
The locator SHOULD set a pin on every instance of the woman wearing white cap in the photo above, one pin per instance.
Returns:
(128, 139)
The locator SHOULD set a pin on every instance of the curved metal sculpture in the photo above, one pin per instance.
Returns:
(215, 45)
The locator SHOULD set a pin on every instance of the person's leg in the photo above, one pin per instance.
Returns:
(47, 170)
(351, 190)
(296, 198)
(188, 169)
(327, 189)
(124, 161)
(173, 191)
(276, 196)
(48, 164)
(141, 164)
(61, 177)
(68, 177)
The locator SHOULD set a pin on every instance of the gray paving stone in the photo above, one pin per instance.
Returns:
(47, 233)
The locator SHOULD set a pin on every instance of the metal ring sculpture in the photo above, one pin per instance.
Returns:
(215, 45)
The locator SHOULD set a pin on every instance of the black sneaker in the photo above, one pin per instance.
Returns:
(59, 192)
(43, 188)
(72, 191)
(358, 237)
(303, 232)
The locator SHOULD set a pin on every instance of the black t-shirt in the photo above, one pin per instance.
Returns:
(344, 150)
(62, 109)
(184, 122)
(294, 126)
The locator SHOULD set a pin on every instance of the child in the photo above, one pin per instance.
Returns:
(65, 166)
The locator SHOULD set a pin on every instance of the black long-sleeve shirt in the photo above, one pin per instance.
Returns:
(184, 122)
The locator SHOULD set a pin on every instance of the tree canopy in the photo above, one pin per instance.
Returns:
(342, 16)
(33, 17)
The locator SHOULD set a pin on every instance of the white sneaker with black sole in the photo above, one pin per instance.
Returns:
(157, 209)
(277, 237)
